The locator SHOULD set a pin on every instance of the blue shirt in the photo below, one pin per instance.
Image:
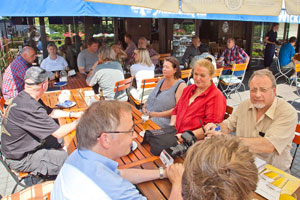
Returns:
(88, 175)
(286, 53)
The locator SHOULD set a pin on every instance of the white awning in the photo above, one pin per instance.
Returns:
(164, 5)
(242, 7)
(292, 7)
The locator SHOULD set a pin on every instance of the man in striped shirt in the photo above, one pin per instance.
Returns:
(13, 79)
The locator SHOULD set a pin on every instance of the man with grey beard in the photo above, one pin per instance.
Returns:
(265, 123)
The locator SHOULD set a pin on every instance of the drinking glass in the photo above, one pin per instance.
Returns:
(145, 121)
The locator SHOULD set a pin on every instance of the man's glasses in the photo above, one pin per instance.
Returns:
(262, 90)
(130, 131)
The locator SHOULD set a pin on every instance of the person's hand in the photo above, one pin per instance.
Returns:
(209, 134)
(175, 172)
(77, 114)
(210, 127)
(145, 111)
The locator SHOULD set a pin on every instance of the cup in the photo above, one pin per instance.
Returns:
(145, 121)
(57, 76)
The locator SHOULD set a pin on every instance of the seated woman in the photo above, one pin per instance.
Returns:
(106, 73)
(200, 102)
(166, 94)
(224, 169)
(142, 69)
(53, 62)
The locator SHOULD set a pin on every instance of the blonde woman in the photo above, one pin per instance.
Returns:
(142, 69)
(219, 168)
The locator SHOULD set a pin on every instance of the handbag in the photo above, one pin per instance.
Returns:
(160, 139)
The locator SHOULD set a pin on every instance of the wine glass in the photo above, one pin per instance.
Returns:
(145, 121)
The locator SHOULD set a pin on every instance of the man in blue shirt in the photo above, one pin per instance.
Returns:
(286, 55)
(104, 134)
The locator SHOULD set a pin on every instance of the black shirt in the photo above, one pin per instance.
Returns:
(272, 36)
(27, 122)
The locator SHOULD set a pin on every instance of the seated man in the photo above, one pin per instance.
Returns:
(142, 43)
(225, 170)
(13, 78)
(233, 54)
(286, 56)
(265, 123)
(191, 51)
(129, 49)
(87, 57)
(204, 53)
(104, 134)
(29, 133)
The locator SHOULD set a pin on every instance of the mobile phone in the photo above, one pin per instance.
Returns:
(166, 159)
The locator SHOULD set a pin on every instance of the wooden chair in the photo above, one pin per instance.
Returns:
(186, 74)
(228, 112)
(296, 141)
(231, 83)
(17, 176)
(122, 85)
(163, 56)
(39, 191)
(146, 84)
(217, 75)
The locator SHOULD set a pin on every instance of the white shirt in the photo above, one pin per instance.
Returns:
(141, 72)
(54, 65)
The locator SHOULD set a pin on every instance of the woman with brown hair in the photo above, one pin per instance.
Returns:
(219, 168)
(166, 94)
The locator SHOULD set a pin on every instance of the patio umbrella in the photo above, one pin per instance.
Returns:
(240, 7)
(165, 5)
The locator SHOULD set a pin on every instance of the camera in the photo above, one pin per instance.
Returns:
(188, 140)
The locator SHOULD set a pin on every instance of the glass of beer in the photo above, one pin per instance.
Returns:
(145, 121)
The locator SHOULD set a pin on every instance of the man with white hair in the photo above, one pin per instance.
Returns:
(13, 78)
(29, 133)
(265, 123)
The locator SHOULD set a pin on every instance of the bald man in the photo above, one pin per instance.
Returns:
(13, 79)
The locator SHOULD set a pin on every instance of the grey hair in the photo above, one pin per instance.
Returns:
(264, 72)
(107, 53)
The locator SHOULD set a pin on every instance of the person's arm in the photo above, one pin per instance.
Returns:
(247, 59)
(173, 120)
(258, 145)
(136, 176)
(65, 129)
(60, 114)
(186, 55)
(174, 173)
(80, 63)
(266, 40)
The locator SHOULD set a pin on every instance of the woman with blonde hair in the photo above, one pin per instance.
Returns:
(201, 102)
(142, 69)
(219, 168)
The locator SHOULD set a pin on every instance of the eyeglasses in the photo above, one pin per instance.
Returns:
(262, 90)
(130, 131)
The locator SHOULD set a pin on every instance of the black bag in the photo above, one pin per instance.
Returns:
(161, 139)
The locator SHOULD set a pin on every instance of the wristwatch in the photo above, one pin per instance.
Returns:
(161, 173)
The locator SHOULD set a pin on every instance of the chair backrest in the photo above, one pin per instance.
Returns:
(297, 135)
(239, 68)
(123, 85)
(218, 72)
(228, 111)
(186, 73)
(148, 83)
(39, 191)
(164, 55)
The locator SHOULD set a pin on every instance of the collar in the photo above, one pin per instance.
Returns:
(88, 154)
(233, 48)
(271, 111)
(206, 92)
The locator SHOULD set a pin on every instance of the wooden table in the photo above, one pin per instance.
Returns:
(141, 155)
(74, 82)
(297, 56)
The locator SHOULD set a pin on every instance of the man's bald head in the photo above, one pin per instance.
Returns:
(28, 53)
